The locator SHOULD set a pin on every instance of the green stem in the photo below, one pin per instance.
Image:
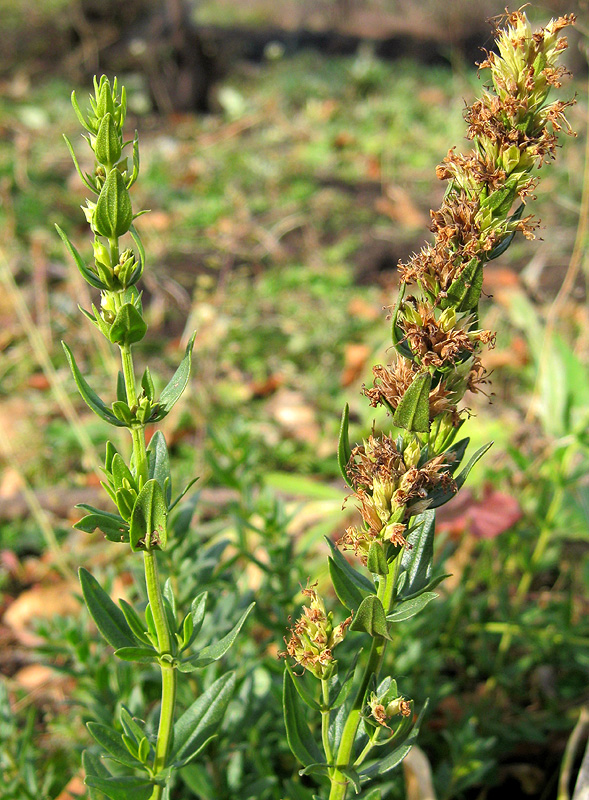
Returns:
(154, 593)
(325, 709)
(339, 782)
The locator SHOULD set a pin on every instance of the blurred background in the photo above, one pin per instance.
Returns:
(288, 153)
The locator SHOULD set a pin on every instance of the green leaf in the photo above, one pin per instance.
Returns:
(89, 395)
(298, 735)
(344, 452)
(135, 622)
(121, 472)
(418, 555)
(94, 765)
(341, 689)
(148, 386)
(303, 692)
(393, 759)
(397, 336)
(128, 327)
(362, 582)
(500, 248)
(122, 412)
(86, 273)
(138, 271)
(107, 146)
(110, 740)
(159, 463)
(148, 521)
(171, 394)
(315, 769)
(441, 495)
(465, 291)
(197, 614)
(169, 596)
(143, 655)
(370, 618)
(201, 720)
(377, 561)
(428, 587)
(188, 486)
(346, 590)
(214, 651)
(113, 214)
(108, 617)
(199, 781)
(122, 787)
(413, 410)
(352, 776)
(410, 608)
(132, 729)
(112, 526)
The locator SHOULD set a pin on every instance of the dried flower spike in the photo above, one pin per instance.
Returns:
(399, 478)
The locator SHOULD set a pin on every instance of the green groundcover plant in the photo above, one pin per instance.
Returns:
(397, 479)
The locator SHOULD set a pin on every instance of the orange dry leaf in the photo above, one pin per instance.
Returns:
(355, 358)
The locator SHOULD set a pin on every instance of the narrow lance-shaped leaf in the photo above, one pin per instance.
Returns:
(298, 735)
(202, 719)
(344, 451)
(137, 625)
(108, 617)
(110, 740)
(346, 590)
(214, 651)
(159, 463)
(142, 655)
(303, 692)
(122, 787)
(86, 273)
(88, 394)
(171, 394)
(362, 582)
(417, 557)
(113, 527)
(412, 607)
(441, 495)
(84, 178)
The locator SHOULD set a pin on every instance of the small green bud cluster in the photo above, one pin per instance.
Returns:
(111, 215)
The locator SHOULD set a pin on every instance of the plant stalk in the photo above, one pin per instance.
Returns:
(154, 593)
(339, 782)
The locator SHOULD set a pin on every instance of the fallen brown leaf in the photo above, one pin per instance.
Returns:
(74, 790)
(418, 776)
(40, 602)
(355, 358)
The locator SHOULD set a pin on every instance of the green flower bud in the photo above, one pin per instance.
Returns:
(412, 453)
(113, 215)
(107, 146)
